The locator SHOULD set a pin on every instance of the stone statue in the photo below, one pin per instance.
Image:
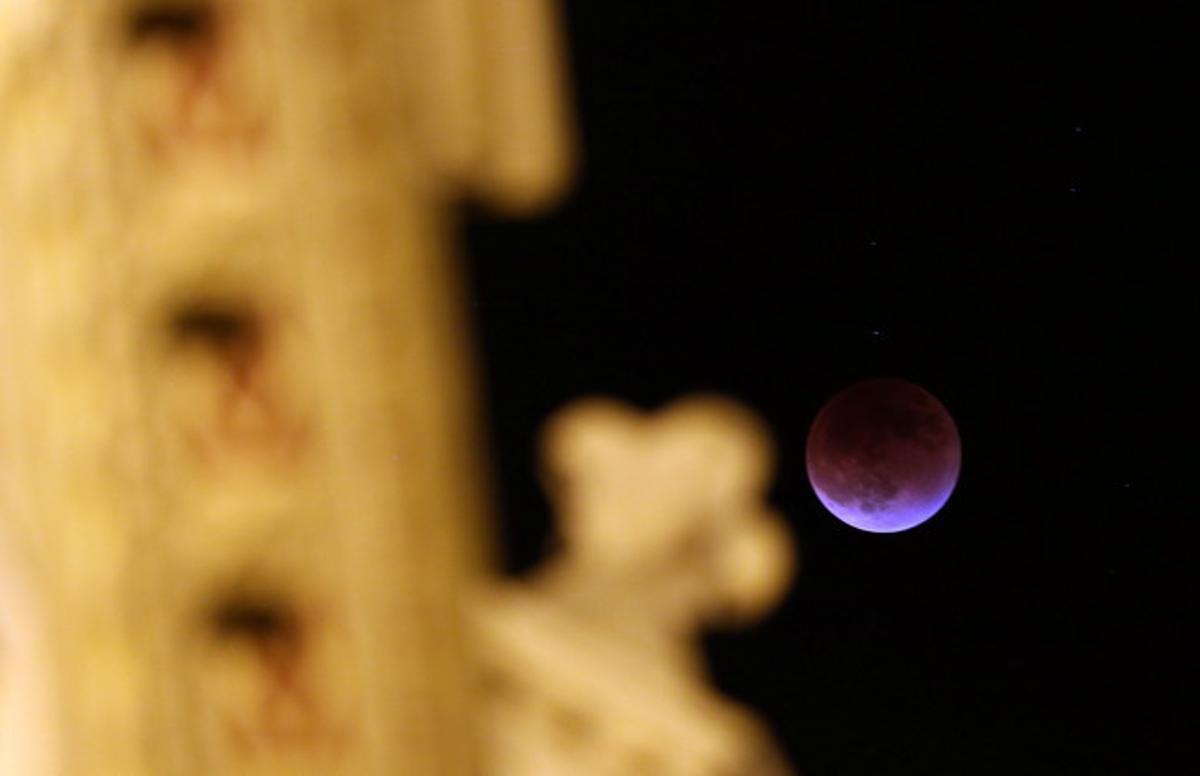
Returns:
(593, 666)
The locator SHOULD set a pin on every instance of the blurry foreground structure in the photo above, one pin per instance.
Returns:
(243, 529)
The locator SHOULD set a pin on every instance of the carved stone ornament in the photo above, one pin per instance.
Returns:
(592, 664)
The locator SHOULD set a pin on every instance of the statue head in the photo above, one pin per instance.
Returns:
(671, 505)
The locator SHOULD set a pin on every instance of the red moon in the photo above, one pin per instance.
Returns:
(883, 455)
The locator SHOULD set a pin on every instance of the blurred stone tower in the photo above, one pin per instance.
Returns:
(239, 500)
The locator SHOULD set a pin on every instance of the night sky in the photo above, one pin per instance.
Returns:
(780, 200)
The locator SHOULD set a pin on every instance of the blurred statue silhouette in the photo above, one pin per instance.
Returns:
(663, 529)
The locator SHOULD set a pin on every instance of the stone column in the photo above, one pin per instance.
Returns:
(240, 496)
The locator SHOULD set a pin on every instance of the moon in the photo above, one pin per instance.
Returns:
(883, 455)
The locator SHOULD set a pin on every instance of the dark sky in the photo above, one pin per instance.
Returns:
(1000, 192)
